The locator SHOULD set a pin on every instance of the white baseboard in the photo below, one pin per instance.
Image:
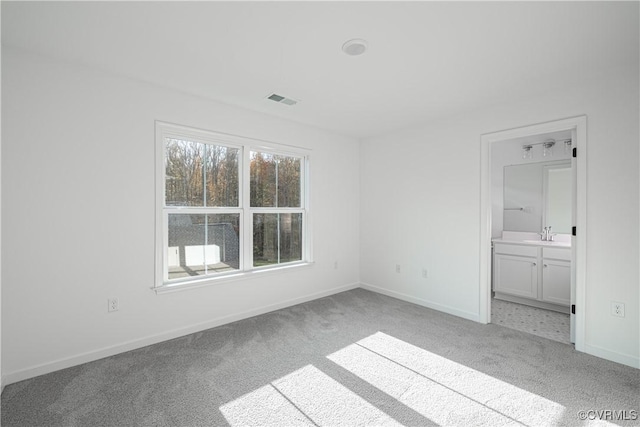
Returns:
(624, 359)
(439, 307)
(603, 353)
(91, 356)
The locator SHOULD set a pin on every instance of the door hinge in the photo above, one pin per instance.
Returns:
(573, 309)
(573, 230)
(575, 150)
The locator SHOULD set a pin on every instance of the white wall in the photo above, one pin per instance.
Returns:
(78, 216)
(420, 200)
(77, 199)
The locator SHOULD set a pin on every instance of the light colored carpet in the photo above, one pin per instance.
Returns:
(353, 359)
(536, 321)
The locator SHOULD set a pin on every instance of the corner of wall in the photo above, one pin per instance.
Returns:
(422, 302)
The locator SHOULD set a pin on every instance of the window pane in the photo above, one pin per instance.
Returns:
(221, 172)
(265, 239)
(184, 173)
(203, 244)
(290, 237)
(263, 179)
(277, 238)
(189, 165)
(288, 182)
(275, 180)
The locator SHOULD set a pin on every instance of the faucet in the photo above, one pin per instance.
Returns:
(550, 234)
(544, 235)
(547, 235)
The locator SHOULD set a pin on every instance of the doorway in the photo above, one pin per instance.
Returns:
(576, 127)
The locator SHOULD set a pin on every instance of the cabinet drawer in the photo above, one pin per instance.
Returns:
(557, 253)
(519, 250)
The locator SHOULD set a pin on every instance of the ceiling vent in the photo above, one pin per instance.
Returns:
(282, 99)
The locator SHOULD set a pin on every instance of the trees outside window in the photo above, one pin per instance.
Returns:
(277, 223)
(227, 205)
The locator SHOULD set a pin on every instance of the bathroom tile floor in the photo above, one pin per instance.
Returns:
(536, 321)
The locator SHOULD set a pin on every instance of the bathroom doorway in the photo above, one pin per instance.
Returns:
(529, 269)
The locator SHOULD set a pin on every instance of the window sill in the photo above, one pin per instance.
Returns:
(234, 277)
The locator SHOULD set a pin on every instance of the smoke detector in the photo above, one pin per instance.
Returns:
(282, 99)
(354, 47)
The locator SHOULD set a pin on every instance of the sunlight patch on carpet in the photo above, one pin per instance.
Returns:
(305, 397)
(327, 402)
(442, 390)
(264, 406)
(439, 389)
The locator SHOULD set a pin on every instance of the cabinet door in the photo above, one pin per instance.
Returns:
(556, 282)
(516, 275)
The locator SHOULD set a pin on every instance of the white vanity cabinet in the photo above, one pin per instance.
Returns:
(515, 270)
(556, 276)
(532, 274)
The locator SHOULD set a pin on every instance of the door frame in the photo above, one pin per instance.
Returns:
(578, 127)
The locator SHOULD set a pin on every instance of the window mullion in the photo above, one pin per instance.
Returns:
(206, 242)
(165, 245)
(204, 175)
(247, 226)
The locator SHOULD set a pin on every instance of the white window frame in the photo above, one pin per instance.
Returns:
(245, 146)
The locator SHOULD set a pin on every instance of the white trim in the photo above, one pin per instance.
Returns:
(307, 236)
(276, 210)
(625, 359)
(245, 146)
(226, 138)
(159, 224)
(579, 264)
(91, 356)
(233, 276)
(435, 306)
(579, 124)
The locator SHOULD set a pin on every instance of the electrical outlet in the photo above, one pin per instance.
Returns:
(113, 305)
(397, 268)
(617, 309)
(425, 273)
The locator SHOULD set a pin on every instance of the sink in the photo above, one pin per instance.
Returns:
(525, 238)
(547, 243)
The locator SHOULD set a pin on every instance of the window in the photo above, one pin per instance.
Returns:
(226, 206)
(276, 207)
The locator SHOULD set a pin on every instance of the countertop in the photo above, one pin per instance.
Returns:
(533, 243)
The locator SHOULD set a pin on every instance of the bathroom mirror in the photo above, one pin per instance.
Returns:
(537, 195)
(557, 197)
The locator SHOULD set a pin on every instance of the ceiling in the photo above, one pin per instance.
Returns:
(426, 60)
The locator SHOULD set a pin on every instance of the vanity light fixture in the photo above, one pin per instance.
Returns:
(547, 148)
